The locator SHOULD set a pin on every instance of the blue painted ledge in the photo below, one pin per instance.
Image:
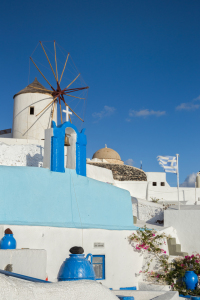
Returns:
(39, 197)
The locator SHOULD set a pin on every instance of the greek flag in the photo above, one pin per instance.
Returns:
(169, 163)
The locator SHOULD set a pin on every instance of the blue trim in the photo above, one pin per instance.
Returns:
(28, 278)
(132, 288)
(103, 266)
(125, 297)
(57, 148)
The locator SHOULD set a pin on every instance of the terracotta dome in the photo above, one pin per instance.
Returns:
(106, 153)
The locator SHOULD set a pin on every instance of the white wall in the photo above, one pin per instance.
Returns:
(22, 120)
(71, 150)
(157, 177)
(100, 174)
(25, 262)
(146, 210)
(187, 224)
(121, 261)
(21, 155)
(137, 189)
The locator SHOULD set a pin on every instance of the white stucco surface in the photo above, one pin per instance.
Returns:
(21, 155)
(16, 289)
(121, 262)
(22, 120)
(187, 224)
(71, 150)
(47, 148)
(100, 174)
(146, 210)
(25, 261)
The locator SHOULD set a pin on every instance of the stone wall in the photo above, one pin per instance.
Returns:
(123, 172)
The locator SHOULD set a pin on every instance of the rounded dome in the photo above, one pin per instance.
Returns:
(106, 153)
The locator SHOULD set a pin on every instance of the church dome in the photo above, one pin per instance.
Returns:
(106, 153)
(34, 87)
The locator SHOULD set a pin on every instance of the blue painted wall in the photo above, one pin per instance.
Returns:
(37, 196)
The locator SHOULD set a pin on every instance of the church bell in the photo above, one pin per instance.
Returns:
(66, 140)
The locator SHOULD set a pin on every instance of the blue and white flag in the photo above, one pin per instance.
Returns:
(169, 163)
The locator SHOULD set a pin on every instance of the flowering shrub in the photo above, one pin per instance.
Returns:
(170, 273)
(147, 239)
(150, 240)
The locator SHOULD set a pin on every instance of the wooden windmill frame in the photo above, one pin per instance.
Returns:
(57, 93)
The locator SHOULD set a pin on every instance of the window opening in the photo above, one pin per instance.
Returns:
(162, 183)
(32, 110)
(154, 183)
(99, 266)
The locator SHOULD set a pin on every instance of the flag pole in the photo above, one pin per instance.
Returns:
(177, 173)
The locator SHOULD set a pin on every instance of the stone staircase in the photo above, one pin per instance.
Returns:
(174, 248)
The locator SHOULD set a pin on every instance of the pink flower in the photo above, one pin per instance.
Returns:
(153, 234)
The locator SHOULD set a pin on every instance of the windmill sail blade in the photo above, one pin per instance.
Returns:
(74, 112)
(46, 107)
(67, 91)
(35, 121)
(64, 68)
(48, 60)
(56, 61)
(41, 73)
(40, 88)
(73, 80)
(61, 113)
(31, 105)
(74, 96)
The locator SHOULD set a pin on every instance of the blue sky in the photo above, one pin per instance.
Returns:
(141, 60)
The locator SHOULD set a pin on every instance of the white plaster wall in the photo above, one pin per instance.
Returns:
(16, 289)
(157, 177)
(71, 150)
(145, 190)
(12, 141)
(47, 148)
(146, 210)
(22, 120)
(122, 263)
(21, 155)
(100, 174)
(26, 262)
(137, 189)
(187, 224)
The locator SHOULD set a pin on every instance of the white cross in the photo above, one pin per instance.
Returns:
(172, 161)
(67, 113)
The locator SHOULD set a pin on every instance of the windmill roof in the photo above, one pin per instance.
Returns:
(34, 87)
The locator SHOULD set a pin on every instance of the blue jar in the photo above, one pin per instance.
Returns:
(191, 280)
(77, 267)
(8, 242)
(195, 298)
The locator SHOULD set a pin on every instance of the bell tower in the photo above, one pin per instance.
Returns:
(54, 154)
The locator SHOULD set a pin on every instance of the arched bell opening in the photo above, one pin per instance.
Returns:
(70, 148)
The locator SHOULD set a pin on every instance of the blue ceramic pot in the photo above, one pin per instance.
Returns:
(8, 242)
(77, 267)
(191, 280)
(195, 298)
